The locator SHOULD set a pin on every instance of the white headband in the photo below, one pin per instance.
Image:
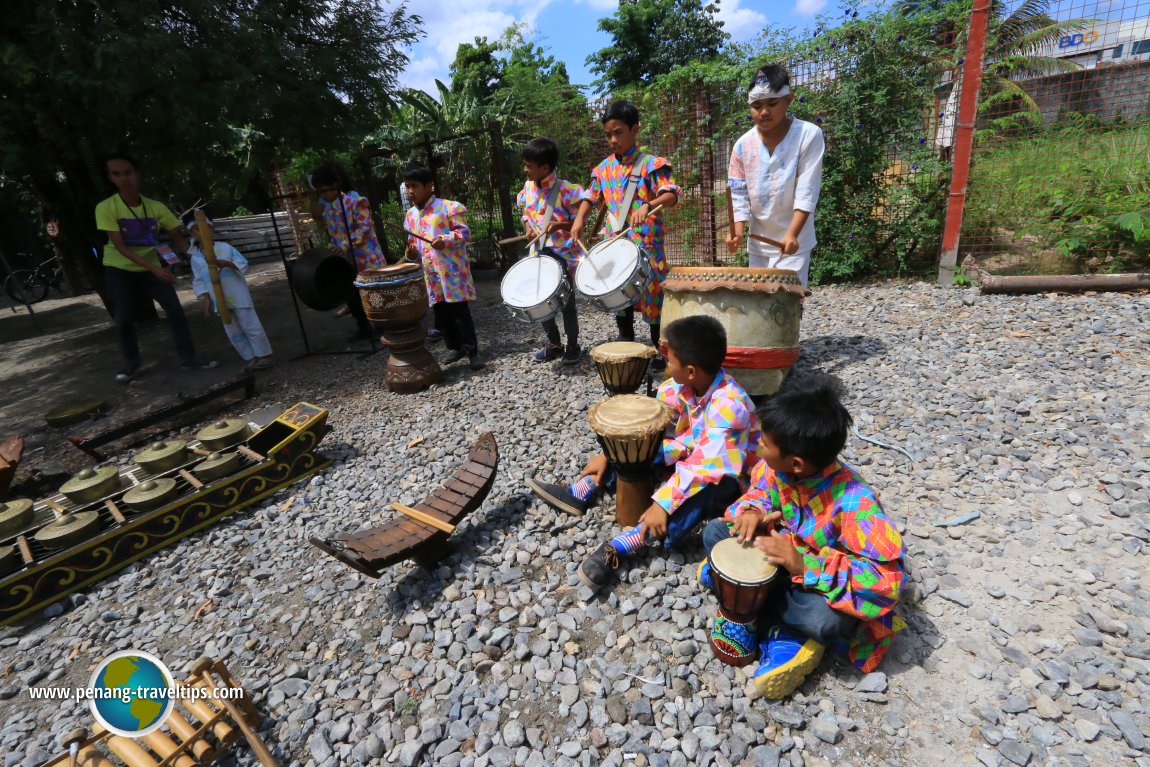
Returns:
(763, 91)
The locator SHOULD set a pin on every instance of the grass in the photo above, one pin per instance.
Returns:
(1047, 202)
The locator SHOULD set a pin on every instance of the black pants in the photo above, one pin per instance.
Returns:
(356, 310)
(124, 289)
(570, 325)
(453, 319)
(625, 321)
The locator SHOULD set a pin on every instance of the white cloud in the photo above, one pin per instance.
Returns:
(447, 24)
(606, 6)
(742, 23)
(810, 7)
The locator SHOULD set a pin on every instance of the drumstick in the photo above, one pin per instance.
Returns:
(407, 232)
(752, 235)
(654, 210)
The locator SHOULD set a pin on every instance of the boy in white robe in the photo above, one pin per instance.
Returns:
(775, 173)
(245, 330)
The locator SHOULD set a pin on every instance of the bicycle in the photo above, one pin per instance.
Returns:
(30, 286)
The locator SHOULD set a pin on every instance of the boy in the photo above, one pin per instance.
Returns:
(817, 520)
(245, 330)
(716, 434)
(445, 264)
(132, 266)
(550, 203)
(630, 183)
(775, 173)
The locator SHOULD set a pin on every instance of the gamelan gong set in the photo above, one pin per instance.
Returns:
(198, 731)
(105, 517)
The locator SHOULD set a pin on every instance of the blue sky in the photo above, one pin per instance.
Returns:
(567, 27)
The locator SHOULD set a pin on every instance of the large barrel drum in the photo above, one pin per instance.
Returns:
(394, 297)
(759, 308)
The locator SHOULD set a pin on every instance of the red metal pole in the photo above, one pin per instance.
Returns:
(963, 138)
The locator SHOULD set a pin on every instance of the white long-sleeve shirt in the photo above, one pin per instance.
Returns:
(233, 283)
(767, 188)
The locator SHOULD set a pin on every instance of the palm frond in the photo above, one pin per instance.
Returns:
(1001, 90)
(1030, 15)
(1031, 66)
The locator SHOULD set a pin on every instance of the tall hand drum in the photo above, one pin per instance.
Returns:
(630, 429)
(759, 308)
(614, 275)
(622, 365)
(742, 578)
(535, 289)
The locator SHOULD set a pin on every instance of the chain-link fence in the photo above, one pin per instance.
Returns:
(1060, 172)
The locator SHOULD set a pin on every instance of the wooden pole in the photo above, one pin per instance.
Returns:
(206, 237)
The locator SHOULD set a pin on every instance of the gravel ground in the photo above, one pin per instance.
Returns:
(1028, 625)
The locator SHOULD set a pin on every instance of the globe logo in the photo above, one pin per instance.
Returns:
(131, 693)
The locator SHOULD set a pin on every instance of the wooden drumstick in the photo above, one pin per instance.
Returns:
(406, 232)
(731, 224)
(207, 247)
(201, 668)
(255, 718)
(652, 212)
(72, 741)
(768, 240)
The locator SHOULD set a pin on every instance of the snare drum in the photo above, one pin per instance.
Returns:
(630, 429)
(742, 578)
(614, 275)
(622, 365)
(535, 289)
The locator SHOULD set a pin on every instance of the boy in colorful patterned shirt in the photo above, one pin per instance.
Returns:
(817, 520)
(450, 288)
(705, 462)
(542, 190)
(653, 186)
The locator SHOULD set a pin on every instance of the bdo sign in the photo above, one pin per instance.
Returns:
(1079, 38)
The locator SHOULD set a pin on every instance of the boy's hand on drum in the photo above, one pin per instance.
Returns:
(780, 550)
(653, 523)
(439, 243)
(558, 226)
(412, 253)
(734, 240)
(576, 230)
(790, 244)
(640, 215)
(746, 525)
(596, 467)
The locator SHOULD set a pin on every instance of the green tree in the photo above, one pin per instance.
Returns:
(477, 69)
(651, 37)
(205, 92)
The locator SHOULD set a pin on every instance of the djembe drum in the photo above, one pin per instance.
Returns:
(395, 301)
(622, 365)
(760, 309)
(742, 579)
(630, 429)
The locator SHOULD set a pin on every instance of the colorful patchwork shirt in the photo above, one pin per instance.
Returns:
(716, 435)
(363, 245)
(448, 271)
(852, 553)
(609, 182)
(533, 200)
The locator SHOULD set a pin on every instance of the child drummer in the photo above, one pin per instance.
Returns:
(816, 519)
(775, 173)
(706, 461)
(550, 203)
(443, 252)
(630, 183)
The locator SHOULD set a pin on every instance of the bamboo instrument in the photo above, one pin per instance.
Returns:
(207, 247)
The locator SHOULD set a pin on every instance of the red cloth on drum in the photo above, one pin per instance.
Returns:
(852, 553)
(609, 182)
(716, 435)
(448, 271)
(533, 200)
(760, 359)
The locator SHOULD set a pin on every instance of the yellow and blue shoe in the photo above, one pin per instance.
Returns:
(704, 575)
(787, 658)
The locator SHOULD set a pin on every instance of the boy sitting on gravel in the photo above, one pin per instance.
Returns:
(708, 459)
(815, 518)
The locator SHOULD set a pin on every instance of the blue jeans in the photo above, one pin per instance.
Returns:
(124, 287)
(791, 606)
(708, 503)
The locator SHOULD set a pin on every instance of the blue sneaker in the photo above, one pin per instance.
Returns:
(704, 575)
(787, 658)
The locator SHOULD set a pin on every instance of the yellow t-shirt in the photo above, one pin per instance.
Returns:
(139, 226)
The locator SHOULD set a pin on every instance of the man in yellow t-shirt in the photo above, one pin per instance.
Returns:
(132, 265)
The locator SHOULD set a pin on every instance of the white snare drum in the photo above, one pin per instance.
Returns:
(614, 275)
(535, 289)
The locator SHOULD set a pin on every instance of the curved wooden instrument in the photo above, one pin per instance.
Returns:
(421, 535)
(207, 246)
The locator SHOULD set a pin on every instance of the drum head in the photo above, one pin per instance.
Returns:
(620, 351)
(741, 562)
(628, 415)
(607, 266)
(531, 281)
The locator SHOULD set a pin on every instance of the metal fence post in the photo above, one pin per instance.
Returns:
(963, 139)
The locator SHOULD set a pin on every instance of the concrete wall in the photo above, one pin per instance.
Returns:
(1108, 92)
